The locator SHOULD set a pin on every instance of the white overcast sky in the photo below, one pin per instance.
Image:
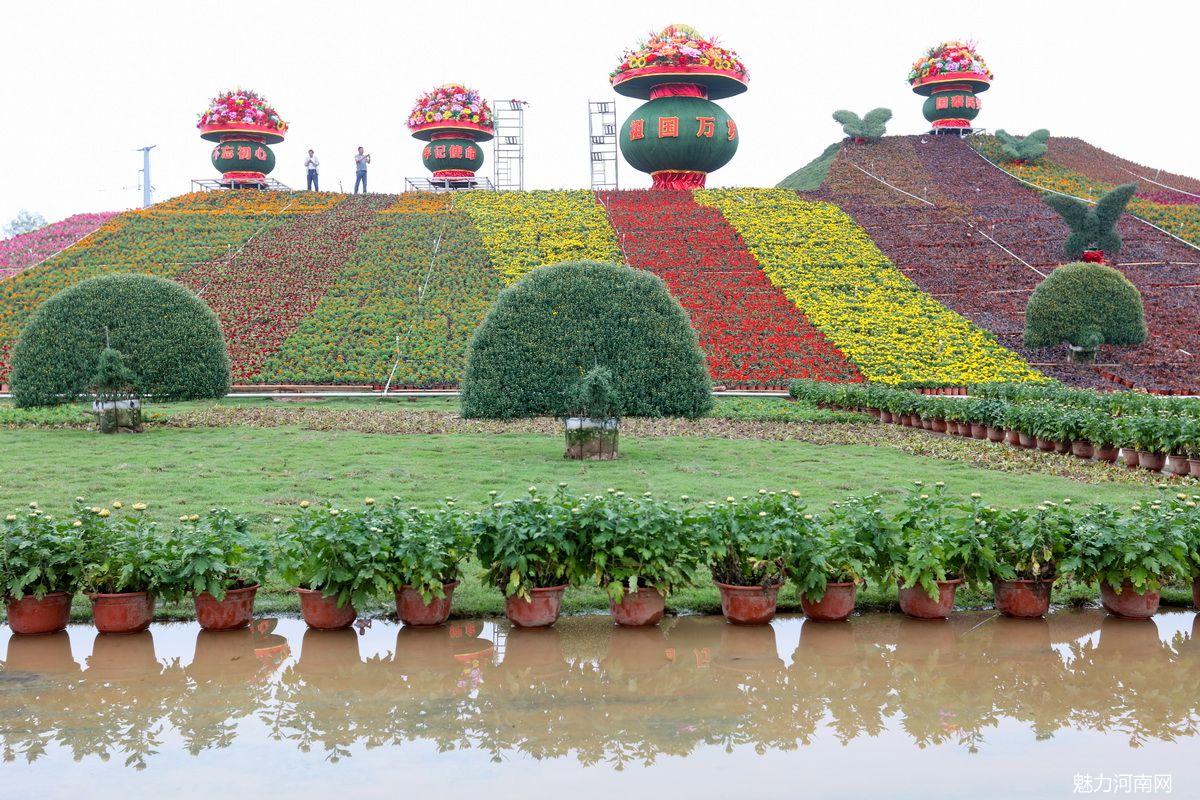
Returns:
(86, 83)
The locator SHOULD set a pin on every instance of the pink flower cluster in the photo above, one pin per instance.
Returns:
(241, 107)
(28, 249)
(450, 103)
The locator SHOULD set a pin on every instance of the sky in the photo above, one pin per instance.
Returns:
(85, 84)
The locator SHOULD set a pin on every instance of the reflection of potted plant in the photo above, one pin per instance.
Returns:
(1026, 548)
(427, 550)
(336, 560)
(124, 565)
(217, 562)
(639, 550)
(746, 542)
(529, 552)
(829, 559)
(39, 570)
(594, 424)
(939, 549)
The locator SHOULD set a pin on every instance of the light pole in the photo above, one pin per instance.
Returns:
(146, 191)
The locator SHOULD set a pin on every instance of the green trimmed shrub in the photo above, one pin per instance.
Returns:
(549, 329)
(1024, 149)
(1092, 225)
(868, 128)
(1086, 305)
(171, 341)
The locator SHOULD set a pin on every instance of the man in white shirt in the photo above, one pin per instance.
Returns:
(311, 163)
(361, 160)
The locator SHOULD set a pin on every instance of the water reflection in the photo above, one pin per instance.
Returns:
(599, 693)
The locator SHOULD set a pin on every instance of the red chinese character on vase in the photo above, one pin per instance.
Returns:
(227, 151)
(970, 102)
(456, 151)
(730, 129)
(439, 151)
(260, 154)
(708, 126)
(637, 129)
(243, 153)
(941, 103)
(471, 152)
(427, 152)
(957, 101)
(978, 103)
(668, 127)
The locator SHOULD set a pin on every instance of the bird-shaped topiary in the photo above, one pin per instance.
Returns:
(1025, 149)
(868, 128)
(1092, 226)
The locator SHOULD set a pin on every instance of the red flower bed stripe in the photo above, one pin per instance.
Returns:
(752, 334)
(263, 293)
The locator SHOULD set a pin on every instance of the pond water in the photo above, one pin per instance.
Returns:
(980, 706)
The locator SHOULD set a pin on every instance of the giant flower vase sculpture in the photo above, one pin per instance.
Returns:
(950, 76)
(453, 120)
(679, 135)
(243, 125)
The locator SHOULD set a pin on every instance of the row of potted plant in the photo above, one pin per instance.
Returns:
(1153, 435)
(639, 549)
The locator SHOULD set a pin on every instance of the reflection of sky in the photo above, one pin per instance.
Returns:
(1009, 763)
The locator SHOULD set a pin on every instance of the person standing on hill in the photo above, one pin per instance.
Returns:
(361, 160)
(311, 164)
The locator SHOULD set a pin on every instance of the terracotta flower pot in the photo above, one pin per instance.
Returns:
(539, 611)
(1062, 448)
(1025, 599)
(322, 613)
(643, 607)
(1046, 445)
(836, 605)
(1130, 457)
(1026, 440)
(1152, 461)
(233, 612)
(412, 609)
(927, 423)
(1177, 465)
(1194, 467)
(995, 435)
(938, 426)
(916, 602)
(885, 416)
(29, 616)
(748, 605)
(1013, 438)
(1107, 452)
(126, 612)
(1128, 603)
(978, 430)
(1082, 449)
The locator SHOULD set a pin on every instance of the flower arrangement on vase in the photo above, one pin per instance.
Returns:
(243, 124)
(453, 119)
(950, 74)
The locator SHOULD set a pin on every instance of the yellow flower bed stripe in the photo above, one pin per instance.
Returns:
(419, 203)
(829, 267)
(525, 230)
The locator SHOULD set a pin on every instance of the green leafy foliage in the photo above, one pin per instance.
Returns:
(121, 552)
(746, 540)
(551, 327)
(1086, 305)
(870, 127)
(940, 540)
(1092, 225)
(842, 546)
(1025, 149)
(113, 374)
(530, 543)
(39, 555)
(213, 553)
(172, 342)
(338, 552)
(1029, 544)
(427, 546)
(1151, 544)
(595, 396)
(634, 542)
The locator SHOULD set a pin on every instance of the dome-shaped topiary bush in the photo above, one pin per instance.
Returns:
(545, 332)
(171, 340)
(1085, 305)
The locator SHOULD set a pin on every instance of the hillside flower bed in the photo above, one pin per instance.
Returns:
(239, 202)
(525, 230)
(828, 266)
(752, 335)
(351, 335)
(27, 249)
(1078, 155)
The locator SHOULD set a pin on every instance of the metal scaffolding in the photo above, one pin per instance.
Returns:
(602, 138)
(508, 163)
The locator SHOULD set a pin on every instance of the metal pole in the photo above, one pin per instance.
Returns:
(147, 200)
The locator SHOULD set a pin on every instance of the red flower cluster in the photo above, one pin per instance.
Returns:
(262, 293)
(752, 334)
(946, 251)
